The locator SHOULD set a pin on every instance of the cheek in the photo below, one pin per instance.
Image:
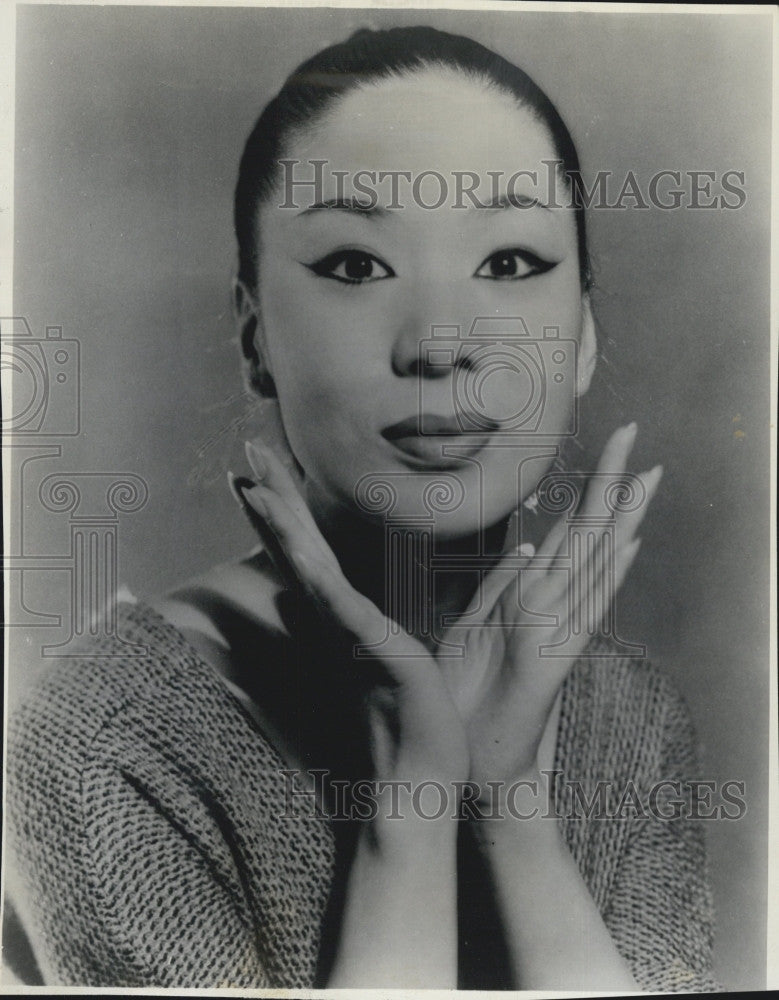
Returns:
(554, 301)
(316, 331)
(527, 380)
(321, 370)
(302, 351)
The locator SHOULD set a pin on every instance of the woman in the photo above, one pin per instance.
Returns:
(256, 801)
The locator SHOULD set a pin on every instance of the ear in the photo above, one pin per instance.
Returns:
(251, 332)
(588, 349)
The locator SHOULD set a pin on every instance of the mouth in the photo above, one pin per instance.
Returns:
(441, 434)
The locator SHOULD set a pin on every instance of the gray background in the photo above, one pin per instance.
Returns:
(129, 125)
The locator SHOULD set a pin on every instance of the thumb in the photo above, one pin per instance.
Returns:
(494, 583)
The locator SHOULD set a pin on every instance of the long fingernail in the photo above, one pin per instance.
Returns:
(252, 496)
(630, 431)
(651, 480)
(256, 460)
(237, 484)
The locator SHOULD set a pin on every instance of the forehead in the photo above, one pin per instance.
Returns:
(432, 119)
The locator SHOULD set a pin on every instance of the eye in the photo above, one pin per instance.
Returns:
(513, 265)
(353, 267)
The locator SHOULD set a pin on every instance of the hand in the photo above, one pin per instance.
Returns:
(504, 687)
(415, 730)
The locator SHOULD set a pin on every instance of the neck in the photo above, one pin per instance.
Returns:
(388, 564)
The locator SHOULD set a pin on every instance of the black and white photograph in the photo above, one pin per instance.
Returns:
(389, 424)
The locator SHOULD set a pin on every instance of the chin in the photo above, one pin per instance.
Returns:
(449, 503)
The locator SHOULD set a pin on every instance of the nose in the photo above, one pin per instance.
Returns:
(411, 355)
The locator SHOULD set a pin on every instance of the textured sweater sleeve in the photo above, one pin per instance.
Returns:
(168, 905)
(660, 910)
(127, 870)
(146, 823)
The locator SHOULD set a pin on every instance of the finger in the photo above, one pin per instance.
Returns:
(627, 523)
(593, 604)
(615, 453)
(613, 462)
(530, 595)
(591, 551)
(494, 583)
(300, 548)
(556, 668)
(505, 576)
(553, 541)
(596, 584)
(271, 472)
(511, 541)
(613, 572)
(593, 562)
(326, 586)
(301, 568)
(257, 513)
(625, 560)
(399, 657)
(600, 546)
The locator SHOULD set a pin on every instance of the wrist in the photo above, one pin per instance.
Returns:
(518, 815)
(399, 927)
(412, 841)
(523, 796)
(539, 837)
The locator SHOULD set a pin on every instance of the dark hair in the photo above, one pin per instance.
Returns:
(364, 57)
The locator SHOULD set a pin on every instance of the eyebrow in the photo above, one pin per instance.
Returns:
(351, 205)
(367, 210)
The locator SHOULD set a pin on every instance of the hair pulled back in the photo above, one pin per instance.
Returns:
(365, 57)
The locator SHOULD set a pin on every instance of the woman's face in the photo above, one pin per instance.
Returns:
(350, 299)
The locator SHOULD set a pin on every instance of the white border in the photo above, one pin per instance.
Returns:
(7, 109)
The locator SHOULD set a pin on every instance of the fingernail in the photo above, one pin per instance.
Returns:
(652, 480)
(237, 483)
(630, 430)
(527, 549)
(231, 484)
(252, 496)
(531, 502)
(235, 487)
(256, 460)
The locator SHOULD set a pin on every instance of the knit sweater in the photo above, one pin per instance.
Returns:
(153, 844)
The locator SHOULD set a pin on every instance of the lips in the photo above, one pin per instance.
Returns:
(428, 448)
